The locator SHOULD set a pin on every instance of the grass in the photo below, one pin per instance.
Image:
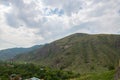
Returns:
(83, 54)
(108, 75)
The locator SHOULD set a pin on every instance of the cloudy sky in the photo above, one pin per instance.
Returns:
(24, 23)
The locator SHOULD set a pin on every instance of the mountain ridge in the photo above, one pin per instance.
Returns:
(7, 54)
(78, 52)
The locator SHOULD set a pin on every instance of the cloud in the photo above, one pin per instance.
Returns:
(32, 22)
(22, 14)
(69, 7)
(4, 2)
(21, 36)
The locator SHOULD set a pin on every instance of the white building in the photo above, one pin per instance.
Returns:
(33, 78)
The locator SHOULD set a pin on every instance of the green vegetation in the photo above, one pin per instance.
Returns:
(80, 53)
(108, 75)
(30, 70)
(94, 57)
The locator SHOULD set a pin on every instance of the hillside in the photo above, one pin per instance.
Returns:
(10, 53)
(78, 52)
(108, 75)
(26, 71)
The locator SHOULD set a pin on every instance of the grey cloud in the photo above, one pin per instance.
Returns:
(51, 30)
(104, 7)
(53, 2)
(12, 20)
(88, 26)
(119, 12)
(23, 13)
(99, 1)
(98, 16)
(1, 32)
(4, 2)
(73, 7)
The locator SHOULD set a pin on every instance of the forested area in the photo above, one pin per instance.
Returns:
(26, 71)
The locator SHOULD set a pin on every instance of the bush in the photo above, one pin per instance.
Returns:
(111, 67)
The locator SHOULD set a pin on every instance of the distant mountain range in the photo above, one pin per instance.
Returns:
(78, 52)
(12, 52)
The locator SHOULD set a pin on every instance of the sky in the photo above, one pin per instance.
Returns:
(24, 23)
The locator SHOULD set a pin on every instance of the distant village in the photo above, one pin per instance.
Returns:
(17, 77)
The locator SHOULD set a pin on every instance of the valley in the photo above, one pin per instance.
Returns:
(76, 57)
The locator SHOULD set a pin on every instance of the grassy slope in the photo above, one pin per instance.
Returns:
(78, 52)
(108, 75)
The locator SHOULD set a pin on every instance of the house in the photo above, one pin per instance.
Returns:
(33, 78)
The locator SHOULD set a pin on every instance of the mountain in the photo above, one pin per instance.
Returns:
(10, 53)
(78, 52)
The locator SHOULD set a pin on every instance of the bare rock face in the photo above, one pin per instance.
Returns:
(117, 75)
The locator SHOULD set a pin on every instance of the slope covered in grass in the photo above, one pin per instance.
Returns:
(78, 52)
(108, 75)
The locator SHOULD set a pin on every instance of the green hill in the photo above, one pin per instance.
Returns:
(78, 52)
(7, 54)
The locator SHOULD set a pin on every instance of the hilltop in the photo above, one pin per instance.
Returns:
(78, 52)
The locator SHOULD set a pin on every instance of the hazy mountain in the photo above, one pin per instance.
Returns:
(10, 53)
(78, 52)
